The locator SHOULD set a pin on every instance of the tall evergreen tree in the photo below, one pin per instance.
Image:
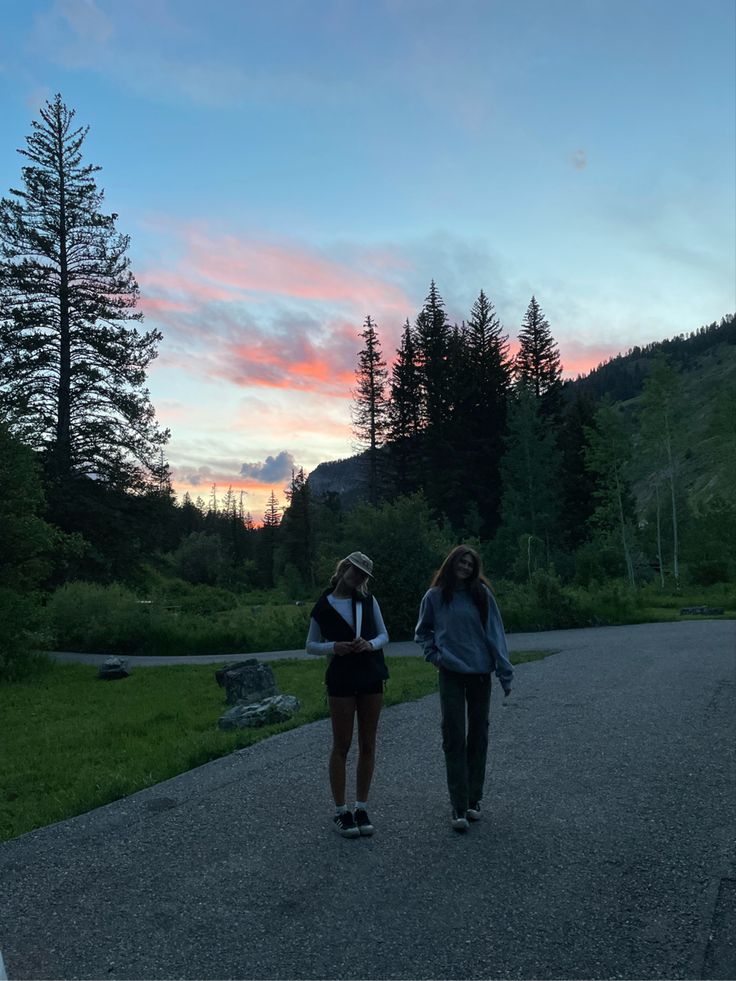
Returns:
(405, 414)
(537, 363)
(297, 528)
(72, 361)
(267, 540)
(433, 338)
(487, 393)
(370, 407)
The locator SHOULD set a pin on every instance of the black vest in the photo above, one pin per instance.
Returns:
(334, 628)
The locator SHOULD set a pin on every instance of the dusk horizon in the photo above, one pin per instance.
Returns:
(285, 173)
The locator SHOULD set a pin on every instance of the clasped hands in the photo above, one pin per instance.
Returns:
(357, 646)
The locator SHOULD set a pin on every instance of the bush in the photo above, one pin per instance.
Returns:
(545, 604)
(708, 572)
(113, 620)
(200, 558)
(19, 636)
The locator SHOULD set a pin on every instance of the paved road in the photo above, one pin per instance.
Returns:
(517, 642)
(606, 848)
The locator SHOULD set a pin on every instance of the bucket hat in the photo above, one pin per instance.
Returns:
(360, 561)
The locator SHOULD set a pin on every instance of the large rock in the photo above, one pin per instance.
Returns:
(247, 681)
(278, 708)
(113, 668)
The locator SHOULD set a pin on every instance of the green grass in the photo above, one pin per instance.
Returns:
(72, 742)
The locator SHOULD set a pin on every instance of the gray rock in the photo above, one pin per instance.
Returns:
(278, 708)
(113, 668)
(247, 682)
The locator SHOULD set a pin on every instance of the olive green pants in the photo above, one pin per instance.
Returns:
(461, 696)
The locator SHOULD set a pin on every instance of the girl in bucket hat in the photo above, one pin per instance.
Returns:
(346, 625)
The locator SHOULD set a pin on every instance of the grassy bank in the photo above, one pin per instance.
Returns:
(72, 742)
(187, 619)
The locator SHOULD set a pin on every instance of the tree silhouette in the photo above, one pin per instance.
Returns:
(73, 363)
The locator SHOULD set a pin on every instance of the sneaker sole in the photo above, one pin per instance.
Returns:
(460, 824)
(474, 815)
(366, 831)
(349, 833)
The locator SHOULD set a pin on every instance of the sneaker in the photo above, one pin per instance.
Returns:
(459, 821)
(473, 811)
(345, 825)
(363, 822)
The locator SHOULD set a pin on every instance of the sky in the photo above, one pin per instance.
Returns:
(285, 169)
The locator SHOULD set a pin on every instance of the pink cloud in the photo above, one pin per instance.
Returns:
(287, 270)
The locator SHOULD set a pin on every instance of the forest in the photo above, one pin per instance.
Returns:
(586, 498)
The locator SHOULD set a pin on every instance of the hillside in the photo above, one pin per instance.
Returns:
(706, 359)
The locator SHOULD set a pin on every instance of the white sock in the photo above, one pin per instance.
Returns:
(361, 805)
(341, 808)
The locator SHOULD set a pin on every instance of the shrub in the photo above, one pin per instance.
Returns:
(19, 636)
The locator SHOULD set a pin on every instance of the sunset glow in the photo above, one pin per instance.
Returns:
(284, 171)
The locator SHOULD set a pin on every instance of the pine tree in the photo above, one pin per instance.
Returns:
(297, 528)
(267, 537)
(537, 364)
(370, 408)
(405, 414)
(272, 514)
(72, 362)
(488, 390)
(433, 334)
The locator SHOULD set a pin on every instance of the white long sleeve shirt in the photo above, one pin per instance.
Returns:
(316, 643)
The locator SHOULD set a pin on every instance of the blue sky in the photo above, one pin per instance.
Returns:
(285, 169)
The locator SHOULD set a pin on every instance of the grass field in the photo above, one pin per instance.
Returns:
(72, 742)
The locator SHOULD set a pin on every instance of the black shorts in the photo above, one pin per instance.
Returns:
(356, 674)
(346, 691)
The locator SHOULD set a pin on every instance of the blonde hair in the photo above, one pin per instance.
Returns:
(339, 572)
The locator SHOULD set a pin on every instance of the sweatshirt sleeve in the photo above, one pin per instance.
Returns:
(424, 630)
(315, 642)
(381, 638)
(497, 638)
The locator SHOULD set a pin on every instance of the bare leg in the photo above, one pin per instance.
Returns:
(342, 714)
(369, 709)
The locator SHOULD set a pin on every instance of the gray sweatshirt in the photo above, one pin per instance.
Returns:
(454, 637)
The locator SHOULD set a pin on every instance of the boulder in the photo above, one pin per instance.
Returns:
(278, 708)
(113, 668)
(247, 681)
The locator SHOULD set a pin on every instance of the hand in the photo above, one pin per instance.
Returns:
(361, 646)
(344, 647)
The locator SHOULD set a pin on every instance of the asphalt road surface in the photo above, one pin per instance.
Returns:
(605, 850)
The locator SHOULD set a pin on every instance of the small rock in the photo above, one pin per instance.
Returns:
(113, 668)
(278, 708)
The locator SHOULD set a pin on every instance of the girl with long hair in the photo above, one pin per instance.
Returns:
(346, 625)
(462, 633)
